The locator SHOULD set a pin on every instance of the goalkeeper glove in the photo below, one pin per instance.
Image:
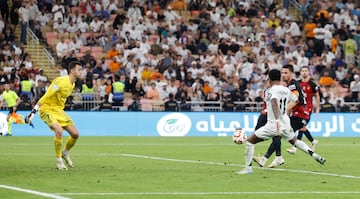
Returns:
(31, 115)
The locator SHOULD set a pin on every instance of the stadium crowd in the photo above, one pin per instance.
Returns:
(216, 50)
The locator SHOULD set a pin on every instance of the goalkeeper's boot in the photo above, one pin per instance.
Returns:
(66, 157)
(60, 165)
(261, 161)
(279, 160)
(246, 170)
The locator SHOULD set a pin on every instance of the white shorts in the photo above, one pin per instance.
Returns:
(269, 130)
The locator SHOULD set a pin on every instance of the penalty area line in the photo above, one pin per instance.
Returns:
(230, 164)
(55, 196)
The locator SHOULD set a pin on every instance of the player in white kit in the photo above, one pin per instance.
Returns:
(277, 99)
(3, 124)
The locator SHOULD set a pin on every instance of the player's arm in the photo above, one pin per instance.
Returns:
(276, 110)
(53, 88)
(316, 89)
(293, 102)
(18, 100)
(31, 115)
(290, 106)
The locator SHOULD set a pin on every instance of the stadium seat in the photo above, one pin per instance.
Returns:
(74, 9)
(79, 55)
(83, 49)
(97, 49)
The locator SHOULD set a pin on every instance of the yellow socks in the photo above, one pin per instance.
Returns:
(58, 143)
(9, 127)
(70, 142)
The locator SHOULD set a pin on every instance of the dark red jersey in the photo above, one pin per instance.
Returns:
(300, 110)
(310, 89)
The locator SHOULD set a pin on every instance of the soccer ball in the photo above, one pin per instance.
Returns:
(239, 136)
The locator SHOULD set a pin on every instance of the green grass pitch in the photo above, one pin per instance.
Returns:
(181, 167)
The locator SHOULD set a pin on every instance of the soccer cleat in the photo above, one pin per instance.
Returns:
(318, 158)
(246, 170)
(291, 150)
(279, 160)
(66, 157)
(60, 165)
(314, 144)
(260, 160)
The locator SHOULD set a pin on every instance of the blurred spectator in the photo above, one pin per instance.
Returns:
(153, 92)
(24, 20)
(327, 106)
(62, 48)
(355, 88)
(326, 80)
(58, 11)
(171, 105)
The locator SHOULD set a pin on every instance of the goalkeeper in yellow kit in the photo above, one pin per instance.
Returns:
(51, 111)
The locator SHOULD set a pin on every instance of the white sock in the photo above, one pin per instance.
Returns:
(302, 145)
(249, 153)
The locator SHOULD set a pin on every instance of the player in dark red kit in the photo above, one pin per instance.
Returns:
(310, 89)
(299, 117)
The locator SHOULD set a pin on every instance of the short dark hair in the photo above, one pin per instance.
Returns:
(290, 67)
(72, 65)
(274, 75)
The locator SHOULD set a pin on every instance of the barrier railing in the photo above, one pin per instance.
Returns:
(296, 4)
(32, 42)
(50, 61)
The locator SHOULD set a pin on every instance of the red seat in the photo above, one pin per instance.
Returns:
(83, 49)
(97, 49)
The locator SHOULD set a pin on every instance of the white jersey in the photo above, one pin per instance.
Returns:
(283, 96)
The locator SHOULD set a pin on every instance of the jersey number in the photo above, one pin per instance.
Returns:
(282, 106)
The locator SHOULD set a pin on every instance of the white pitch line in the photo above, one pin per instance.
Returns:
(4, 144)
(55, 196)
(208, 193)
(230, 164)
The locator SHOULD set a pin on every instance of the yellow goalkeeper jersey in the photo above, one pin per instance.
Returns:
(55, 97)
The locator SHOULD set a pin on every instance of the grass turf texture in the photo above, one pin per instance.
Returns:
(184, 167)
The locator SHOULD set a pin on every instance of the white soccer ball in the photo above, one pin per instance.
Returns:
(239, 136)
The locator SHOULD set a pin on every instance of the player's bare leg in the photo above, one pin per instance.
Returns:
(249, 153)
(304, 147)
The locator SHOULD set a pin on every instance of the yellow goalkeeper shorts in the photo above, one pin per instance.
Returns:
(51, 117)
